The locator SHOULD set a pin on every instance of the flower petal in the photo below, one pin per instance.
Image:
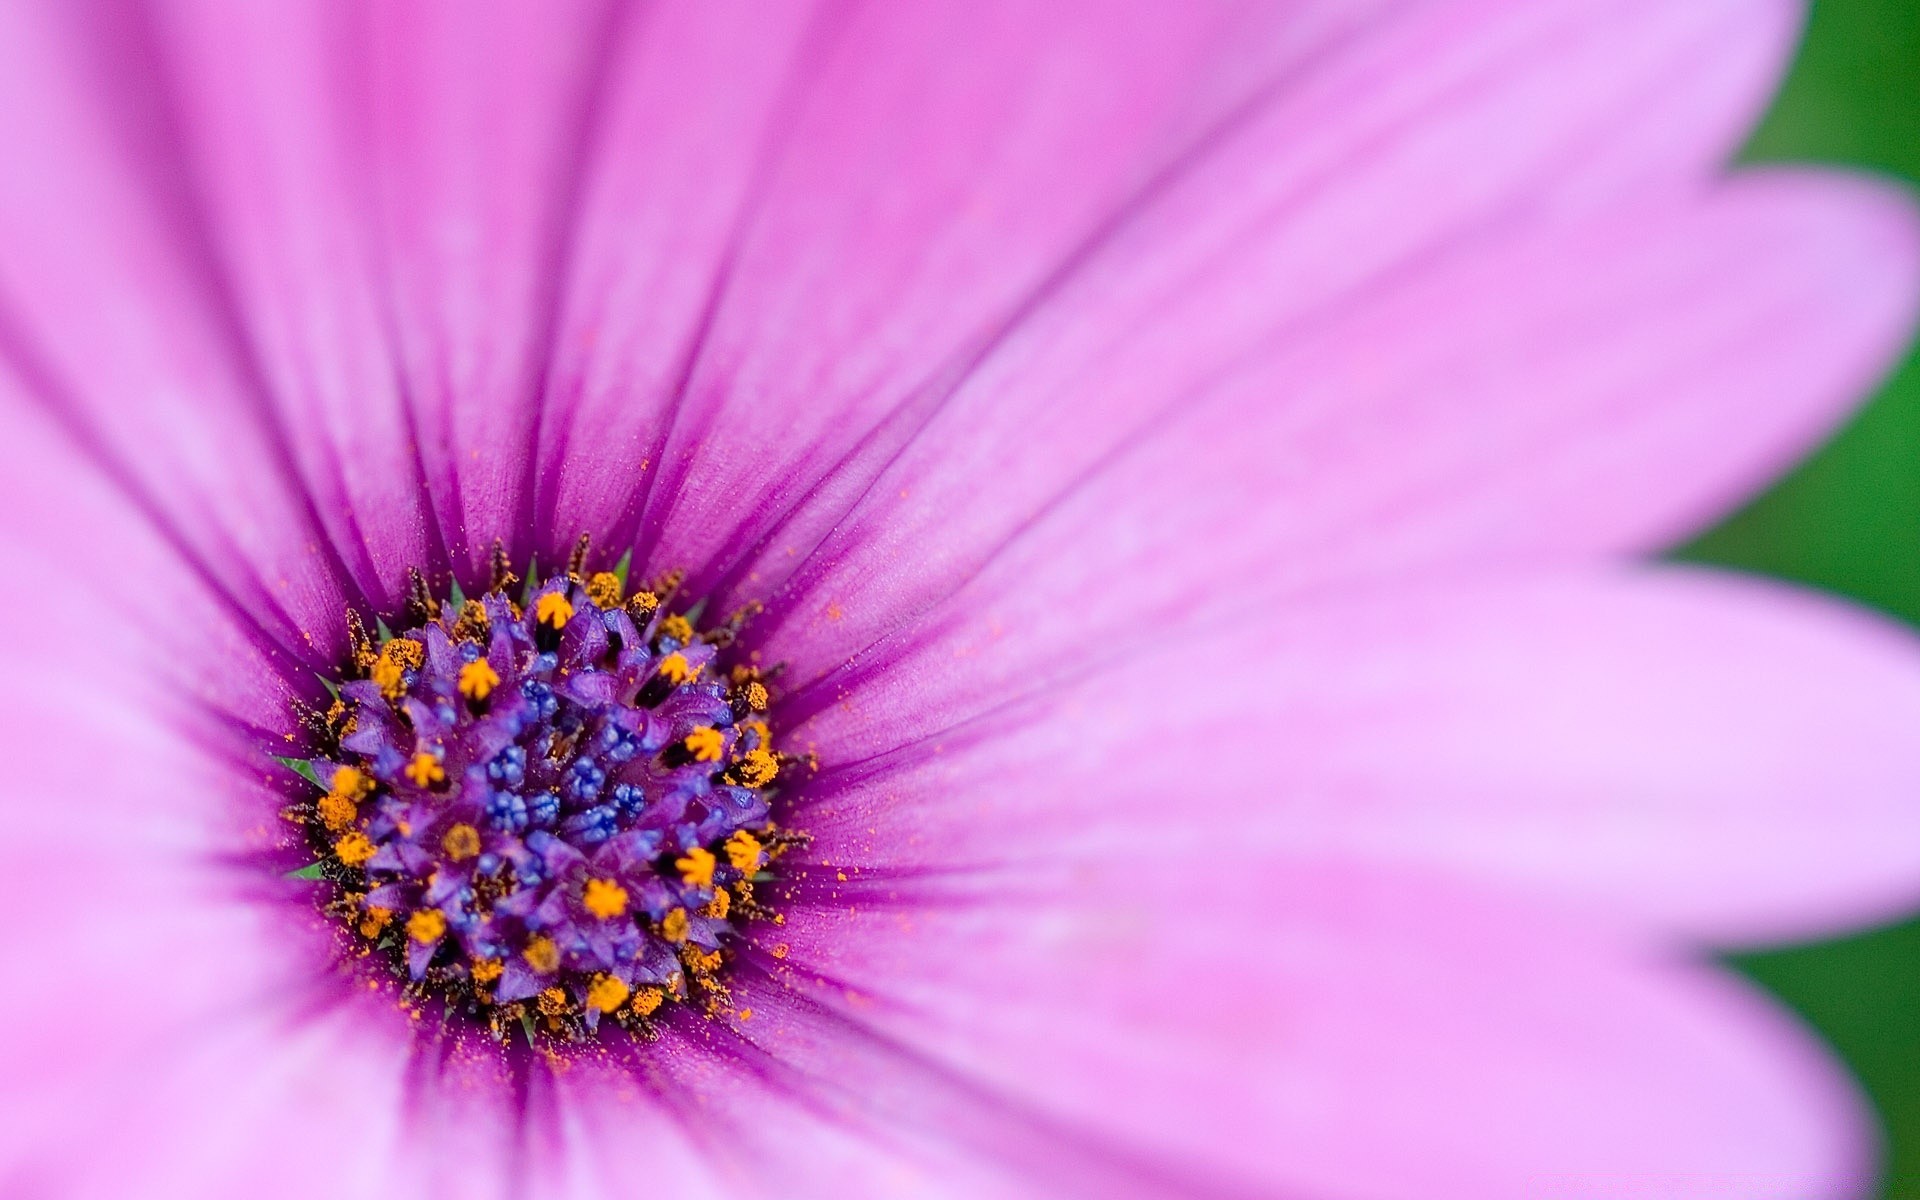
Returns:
(1220, 1024)
(1548, 393)
(1724, 760)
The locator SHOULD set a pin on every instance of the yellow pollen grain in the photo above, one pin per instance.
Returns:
(647, 1001)
(696, 867)
(607, 993)
(604, 899)
(461, 842)
(387, 676)
(702, 962)
(487, 970)
(353, 849)
(553, 1001)
(757, 696)
(674, 927)
(542, 955)
(706, 744)
(744, 851)
(603, 588)
(425, 770)
(473, 622)
(757, 768)
(427, 925)
(351, 783)
(675, 669)
(677, 627)
(405, 651)
(718, 907)
(553, 609)
(336, 811)
(478, 679)
(375, 921)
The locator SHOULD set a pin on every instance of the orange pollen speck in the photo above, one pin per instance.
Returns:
(553, 1001)
(425, 769)
(757, 768)
(696, 867)
(478, 679)
(604, 898)
(674, 926)
(486, 970)
(351, 782)
(376, 920)
(427, 925)
(603, 588)
(461, 842)
(675, 669)
(744, 852)
(647, 1001)
(719, 906)
(354, 849)
(677, 627)
(387, 676)
(607, 993)
(336, 811)
(553, 610)
(542, 955)
(706, 744)
(757, 696)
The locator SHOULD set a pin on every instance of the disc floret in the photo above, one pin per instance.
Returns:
(551, 810)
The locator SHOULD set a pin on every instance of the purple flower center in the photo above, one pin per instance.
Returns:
(545, 814)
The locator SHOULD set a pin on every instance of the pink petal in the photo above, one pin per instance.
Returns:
(1219, 1024)
(1549, 392)
(1725, 760)
(367, 260)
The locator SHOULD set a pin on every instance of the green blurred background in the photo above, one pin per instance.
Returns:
(1848, 520)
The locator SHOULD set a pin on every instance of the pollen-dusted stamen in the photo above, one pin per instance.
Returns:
(545, 812)
(354, 849)
(427, 925)
(744, 852)
(674, 926)
(696, 867)
(336, 811)
(757, 768)
(603, 588)
(478, 679)
(425, 769)
(706, 744)
(604, 898)
(461, 842)
(607, 993)
(553, 610)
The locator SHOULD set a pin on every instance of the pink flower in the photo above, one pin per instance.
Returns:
(1189, 457)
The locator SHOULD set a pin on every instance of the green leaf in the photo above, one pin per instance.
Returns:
(530, 583)
(456, 597)
(380, 627)
(622, 568)
(333, 689)
(303, 769)
(310, 871)
(526, 1023)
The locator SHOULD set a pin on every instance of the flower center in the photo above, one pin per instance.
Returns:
(547, 812)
